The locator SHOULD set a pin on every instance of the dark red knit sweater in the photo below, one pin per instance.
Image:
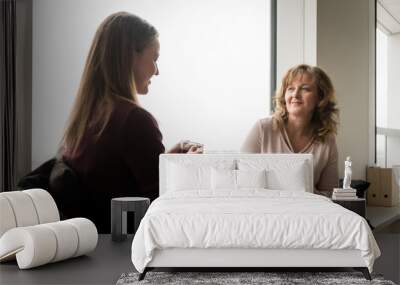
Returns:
(122, 162)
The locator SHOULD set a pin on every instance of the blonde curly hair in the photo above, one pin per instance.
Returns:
(325, 118)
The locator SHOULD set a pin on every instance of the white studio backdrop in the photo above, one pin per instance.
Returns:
(214, 63)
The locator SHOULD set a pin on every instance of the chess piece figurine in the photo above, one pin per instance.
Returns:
(347, 173)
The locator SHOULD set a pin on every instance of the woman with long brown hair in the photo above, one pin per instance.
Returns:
(304, 121)
(111, 142)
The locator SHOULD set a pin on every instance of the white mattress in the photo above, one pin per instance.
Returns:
(250, 219)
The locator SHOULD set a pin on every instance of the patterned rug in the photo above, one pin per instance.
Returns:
(229, 278)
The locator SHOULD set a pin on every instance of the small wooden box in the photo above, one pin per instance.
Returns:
(384, 189)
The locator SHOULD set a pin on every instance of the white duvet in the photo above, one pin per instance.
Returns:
(250, 219)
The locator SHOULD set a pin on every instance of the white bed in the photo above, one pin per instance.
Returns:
(246, 210)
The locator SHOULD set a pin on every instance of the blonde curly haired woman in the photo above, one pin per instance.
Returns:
(304, 121)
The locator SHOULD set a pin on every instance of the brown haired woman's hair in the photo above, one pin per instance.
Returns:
(325, 118)
(108, 75)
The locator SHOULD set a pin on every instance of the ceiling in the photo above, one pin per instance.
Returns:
(388, 16)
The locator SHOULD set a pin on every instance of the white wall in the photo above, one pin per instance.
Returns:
(344, 48)
(214, 67)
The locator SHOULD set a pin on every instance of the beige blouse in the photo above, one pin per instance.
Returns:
(266, 137)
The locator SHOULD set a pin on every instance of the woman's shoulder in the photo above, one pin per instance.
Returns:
(330, 140)
(132, 113)
(328, 144)
(268, 124)
(135, 121)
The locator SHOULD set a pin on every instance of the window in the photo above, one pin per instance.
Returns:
(214, 65)
(387, 98)
(214, 80)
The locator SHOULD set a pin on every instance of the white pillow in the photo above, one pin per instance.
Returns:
(227, 179)
(292, 179)
(251, 178)
(282, 174)
(188, 177)
(187, 174)
(223, 179)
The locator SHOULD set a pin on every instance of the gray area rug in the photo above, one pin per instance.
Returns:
(228, 278)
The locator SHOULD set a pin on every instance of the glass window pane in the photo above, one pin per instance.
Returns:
(214, 71)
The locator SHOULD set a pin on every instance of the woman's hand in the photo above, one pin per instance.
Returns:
(186, 146)
(195, 149)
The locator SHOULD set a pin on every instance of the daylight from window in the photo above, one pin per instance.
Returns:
(214, 81)
(387, 99)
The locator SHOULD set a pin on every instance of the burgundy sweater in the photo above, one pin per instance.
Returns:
(122, 162)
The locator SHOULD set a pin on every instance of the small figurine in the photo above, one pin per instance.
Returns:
(347, 173)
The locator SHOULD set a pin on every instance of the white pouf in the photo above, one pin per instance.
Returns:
(31, 231)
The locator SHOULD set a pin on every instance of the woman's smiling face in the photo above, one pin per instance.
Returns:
(301, 96)
(145, 66)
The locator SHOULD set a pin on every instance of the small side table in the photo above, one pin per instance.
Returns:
(119, 209)
(357, 205)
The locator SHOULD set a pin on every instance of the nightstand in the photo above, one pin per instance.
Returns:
(119, 209)
(356, 205)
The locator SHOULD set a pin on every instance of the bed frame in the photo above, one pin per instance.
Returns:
(241, 259)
